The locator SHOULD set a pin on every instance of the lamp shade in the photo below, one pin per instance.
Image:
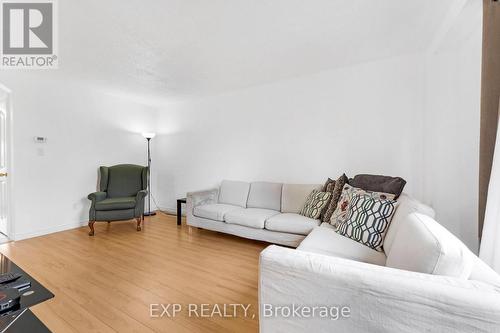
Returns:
(149, 135)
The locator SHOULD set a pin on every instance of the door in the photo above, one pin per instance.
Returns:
(3, 162)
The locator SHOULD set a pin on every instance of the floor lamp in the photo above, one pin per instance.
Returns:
(148, 137)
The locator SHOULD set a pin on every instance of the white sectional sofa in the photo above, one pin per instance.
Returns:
(424, 280)
(260, 210)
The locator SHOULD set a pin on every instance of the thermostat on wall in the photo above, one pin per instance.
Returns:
(40, 139)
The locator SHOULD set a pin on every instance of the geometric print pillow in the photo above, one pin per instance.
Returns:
(315, 203)
(367, 220)
(342, 209)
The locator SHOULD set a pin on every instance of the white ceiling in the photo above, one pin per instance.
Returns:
(199, 47)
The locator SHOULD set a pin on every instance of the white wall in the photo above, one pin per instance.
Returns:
(85, 129)
(414, 116)
(451, 136)
(360, 119)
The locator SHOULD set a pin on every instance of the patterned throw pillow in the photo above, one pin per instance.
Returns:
(315, 203)
(367, 220)
(328, 187)
(377, 183)
(328, 182)
(348, 192)
(337, 191)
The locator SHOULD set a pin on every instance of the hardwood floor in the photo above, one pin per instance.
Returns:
(107, 282)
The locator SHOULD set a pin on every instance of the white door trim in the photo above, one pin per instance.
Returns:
(9, 162)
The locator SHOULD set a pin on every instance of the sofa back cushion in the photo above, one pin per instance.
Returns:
(293, 196)
(234, 193)
(406, 206)
(265, 195)
(423, 245)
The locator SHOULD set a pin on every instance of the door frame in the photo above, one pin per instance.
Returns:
(9, 136)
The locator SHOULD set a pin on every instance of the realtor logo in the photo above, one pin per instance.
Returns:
(28, 34)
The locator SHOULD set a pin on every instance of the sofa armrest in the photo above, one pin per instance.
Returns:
(96, 196)
(202, 197)
(380, 299)
(194, 199)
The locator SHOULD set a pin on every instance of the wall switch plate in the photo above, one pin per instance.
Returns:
(40, 139)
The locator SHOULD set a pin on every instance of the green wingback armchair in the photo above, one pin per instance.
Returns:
(121, 196)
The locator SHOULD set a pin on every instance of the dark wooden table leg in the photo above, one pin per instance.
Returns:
(179, 212)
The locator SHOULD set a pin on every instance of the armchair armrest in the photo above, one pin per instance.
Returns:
(379, 298)
(139, 203)
(141, 195)
(96, 196)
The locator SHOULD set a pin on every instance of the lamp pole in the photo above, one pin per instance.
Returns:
(148, 137)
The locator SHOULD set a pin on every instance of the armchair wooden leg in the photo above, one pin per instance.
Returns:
(138, 223)
(91, 226)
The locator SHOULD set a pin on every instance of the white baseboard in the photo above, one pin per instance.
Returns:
(170, 210)
(46, 231)
(68, 226)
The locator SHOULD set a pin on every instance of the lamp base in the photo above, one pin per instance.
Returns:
(149, 213)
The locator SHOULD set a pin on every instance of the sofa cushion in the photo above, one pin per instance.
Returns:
(214, 211)
(115, 203)
(293, 196)
(423, 245)
(265, 195)
(250, 217)
(291, 223)
(234, 193)
(406, 205)
(324, 240)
